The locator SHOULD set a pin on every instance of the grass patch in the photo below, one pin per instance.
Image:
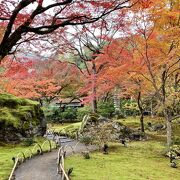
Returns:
(134, 122)
(57, 127)
(139, 161)
(68, 129)
(8, 151)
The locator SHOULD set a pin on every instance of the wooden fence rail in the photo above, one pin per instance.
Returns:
(60, 164)
(50, 146)
(14, 168)
(21, 156)
(60, 160)
(30, 153)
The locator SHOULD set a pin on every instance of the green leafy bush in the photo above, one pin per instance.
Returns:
(81, 112)
(28, 142)
(106, 109)
(86, 154)
(57, 115)
(70, 114)
(86, 140)
(49, 111)
(52, 114)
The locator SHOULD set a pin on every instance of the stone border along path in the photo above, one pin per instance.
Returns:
(44, 167)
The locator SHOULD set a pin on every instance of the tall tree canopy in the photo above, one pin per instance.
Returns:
(24, 20)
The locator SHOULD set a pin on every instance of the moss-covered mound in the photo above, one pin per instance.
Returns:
(20, 118)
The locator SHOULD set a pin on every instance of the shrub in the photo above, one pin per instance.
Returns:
(81, 112)
(28, 142)
(86, 140)
(70, 114)
(56, 115)
(106, 109)
(86, 154)
(52, 114)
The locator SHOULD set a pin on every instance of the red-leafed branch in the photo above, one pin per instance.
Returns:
(63, 16)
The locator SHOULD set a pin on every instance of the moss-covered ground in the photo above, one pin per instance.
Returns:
(138, 161)
(133, 122)
(14, 110)
(65, 129)
(8, 151)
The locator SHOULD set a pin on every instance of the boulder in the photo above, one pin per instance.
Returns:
(104, 130)
(103, 119)
(156, 127)
(137, 136)
(174, 152)
(20, 118)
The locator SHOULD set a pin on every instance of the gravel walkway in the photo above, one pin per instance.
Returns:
(44, 167)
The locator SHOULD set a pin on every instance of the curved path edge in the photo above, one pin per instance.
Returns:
(44, 167)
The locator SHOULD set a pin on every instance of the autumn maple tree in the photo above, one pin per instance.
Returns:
(27, 20)
(113, 77)
(156, 44)
(41, 80)
(152, 43)
(85, 44)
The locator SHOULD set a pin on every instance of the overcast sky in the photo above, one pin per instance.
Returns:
(33, 5)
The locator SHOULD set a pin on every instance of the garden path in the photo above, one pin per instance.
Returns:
(44, 167)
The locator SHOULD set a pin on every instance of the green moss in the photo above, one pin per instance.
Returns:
(18, 113)
(69, 129)
(7, 151)
(7, 118)
(13, 109)
(139, 161)
(9, 101)
(12, 101)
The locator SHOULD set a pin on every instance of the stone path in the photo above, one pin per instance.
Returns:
(44, 167)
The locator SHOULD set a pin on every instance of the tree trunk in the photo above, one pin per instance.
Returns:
(41, 102)
(1, 58)
(116, 104)
(169, 133)
(142, 122)
(141, 111)
(152, 113)
(169, 129)
(94, 97)
(94, 105)
(117, 112)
